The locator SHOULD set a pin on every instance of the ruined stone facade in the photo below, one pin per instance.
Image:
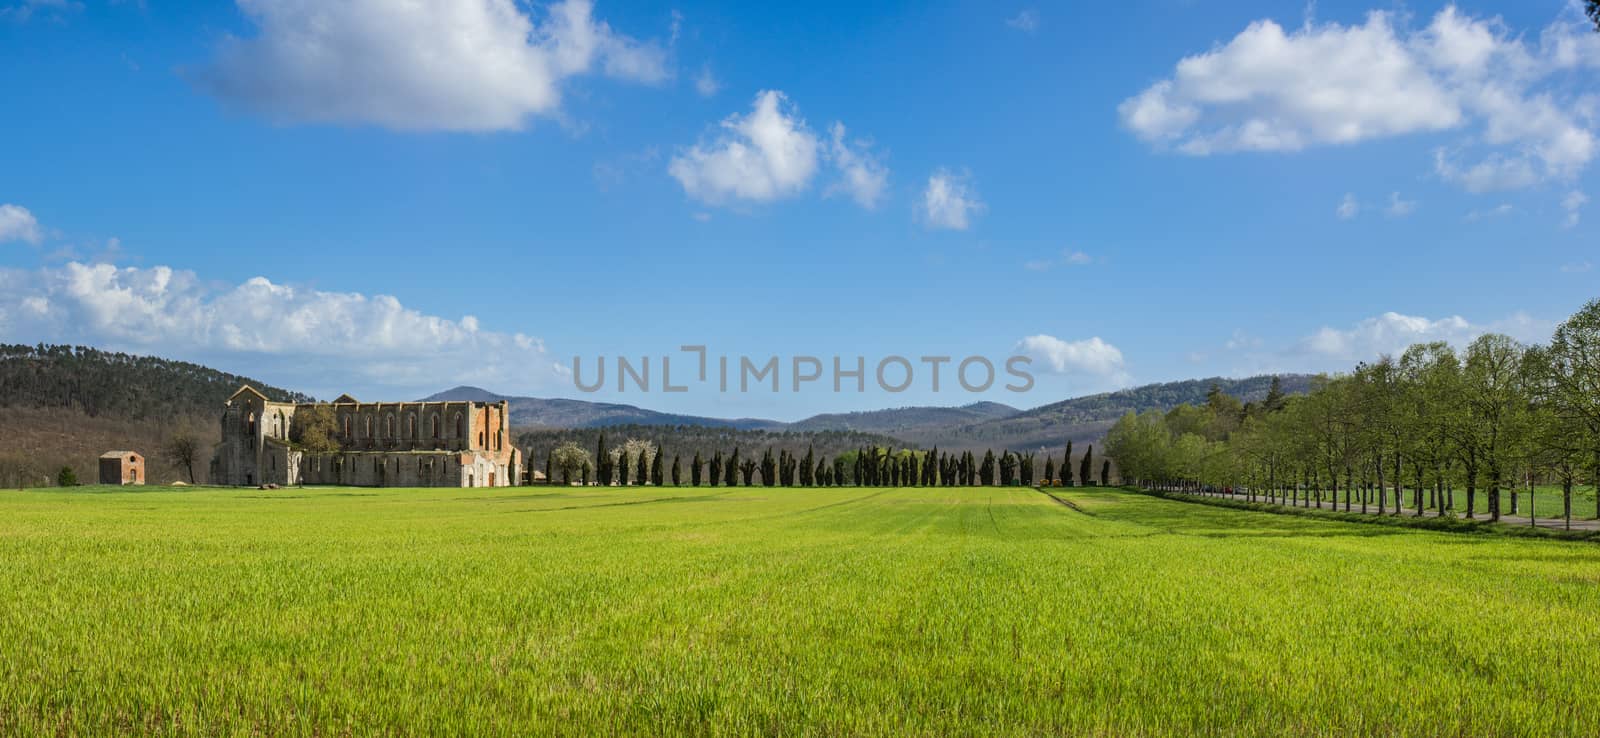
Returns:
(382, 444)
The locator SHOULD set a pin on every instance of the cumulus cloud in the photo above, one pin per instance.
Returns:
(304, 335)
(456, 65)
(1349, 207)
(1271, 89)
(950, 201)
(1026, 20)
(706, 83)
(17, 224)
(53, 10)
(1090, 356)
(1391, 333)
(864, 177)
(771, 153)
(1573, 205)
(765, 155)
(1067, 257)
(1400, 208)
(1498, 211)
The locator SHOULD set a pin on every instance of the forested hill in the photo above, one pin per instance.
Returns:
(1084, 419)
(902, 420)
(539, 412)
(108, 384)
(686, 440)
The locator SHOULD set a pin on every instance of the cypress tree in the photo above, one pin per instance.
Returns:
(1105, 473)
(622, 470)
(602, 461)
(694, 470)
(1275, 397)
(732, 479)
(1049, 471)
(677, 480)
(769, 470)
(1087, 467)
(716, 468)
(1066, 467)
(643, 467)
(655, 470)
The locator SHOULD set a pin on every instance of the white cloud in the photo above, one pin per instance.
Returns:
(54, 10)
(1241, 340)
(1026, 20)
(950, 201)
(1068, 257)
(1090, 356)
(1391, 333)
(458, 65)
(1399, 208)
(305, 335)
(770, 153)
(1269, 89)
(864, 176)
(706, 83)
(17, 224)
(1577, 268)
(1573, 205)
(766, 155)
(1498, 211)
(1348, 207)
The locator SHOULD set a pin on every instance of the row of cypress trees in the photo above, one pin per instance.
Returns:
(868, 467)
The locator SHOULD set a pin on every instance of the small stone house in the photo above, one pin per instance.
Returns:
(121, 467)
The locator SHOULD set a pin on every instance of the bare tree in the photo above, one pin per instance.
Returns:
(182, 450)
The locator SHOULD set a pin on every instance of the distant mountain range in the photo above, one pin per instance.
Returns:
(975, 426)
(538, 412)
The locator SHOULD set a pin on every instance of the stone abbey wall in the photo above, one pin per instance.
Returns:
(382, 444)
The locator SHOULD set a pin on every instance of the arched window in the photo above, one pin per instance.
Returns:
(347, 427)
(435, 426)
(367, 426)
(388, 426)
(411, 425)
(250, 424)
(461, 426)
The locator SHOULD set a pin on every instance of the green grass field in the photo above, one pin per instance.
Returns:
(775, 612)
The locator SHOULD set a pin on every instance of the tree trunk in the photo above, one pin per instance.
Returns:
(1472, 490)
(1494, 493)
(1418, 489)
(1398, 495)
(1382, 491)
(1566, 499)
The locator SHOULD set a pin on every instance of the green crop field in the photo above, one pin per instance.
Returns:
(993, 611)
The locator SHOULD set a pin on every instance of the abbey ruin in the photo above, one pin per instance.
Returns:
(380, 444)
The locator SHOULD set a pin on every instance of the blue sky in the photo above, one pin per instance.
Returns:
(337, 195)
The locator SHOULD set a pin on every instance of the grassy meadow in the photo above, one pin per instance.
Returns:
(989, 611)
